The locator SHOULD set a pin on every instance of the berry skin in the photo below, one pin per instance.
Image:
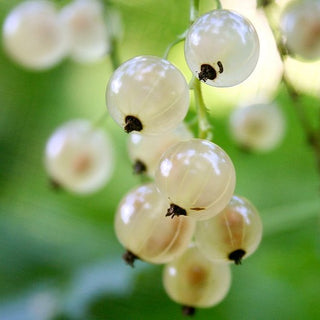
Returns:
(233, 234)
(79, 157)
(222, 48)
(87, 31)
(145, 151)
(300, 25)
(147, 94)
(33, 35)
(143, 229)
(197, 177)
(194, 281)
(258, 127)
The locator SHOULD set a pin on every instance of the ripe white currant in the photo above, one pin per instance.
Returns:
(79, 157)
(143, 229)
(195, 281)
(300, 25)
(86, 29)
(33, 35)
(257, 127)
(145, 151)
(197, 177)
(222, 48)
(147, 94)
(233, 234)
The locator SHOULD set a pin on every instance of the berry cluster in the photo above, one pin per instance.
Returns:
(187, 216)
(37, 36)
(193, 179)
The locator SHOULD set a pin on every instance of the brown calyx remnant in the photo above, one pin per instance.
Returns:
(207, 72)
(188, 311)
(237, 256)
(175, 210)
(129, 258)
(139, 167)
(132, 123)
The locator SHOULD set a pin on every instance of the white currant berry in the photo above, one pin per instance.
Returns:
(222, 48)
(195, 281)
(258, 127)
(79, 157)
(143, 229)
(33, 35)
(147, 94)
(145, 151)
(84, 23)
(300, 26)
(233, 234)
(197, 177)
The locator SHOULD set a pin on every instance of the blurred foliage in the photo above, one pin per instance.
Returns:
(59, 258)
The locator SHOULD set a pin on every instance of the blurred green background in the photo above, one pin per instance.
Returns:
(59, 258)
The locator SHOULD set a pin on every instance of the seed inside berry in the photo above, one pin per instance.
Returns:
(132, 124)
(237, 256)
(175, 210)
(207, 72)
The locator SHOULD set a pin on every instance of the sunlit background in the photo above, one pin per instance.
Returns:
(59, 257)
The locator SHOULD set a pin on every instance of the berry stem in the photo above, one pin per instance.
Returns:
(312, 135)
(194, 10)
(204, 126)
(218, 4)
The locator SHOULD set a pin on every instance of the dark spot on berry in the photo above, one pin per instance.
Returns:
(207, 72)
(237, 256)
(132, 124)
(188, 311)
(219, 63)
(139, 167)
(175, 210)
(129, 258)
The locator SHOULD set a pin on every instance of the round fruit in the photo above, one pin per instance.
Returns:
(87, 31)
(233, 234)
(197, 177)
(79, 157)
(147, 94)
(145, 151)
(222, 48)
(143, 229)
(300, 25)
(194, 281)
(257, 127)
(33, 35)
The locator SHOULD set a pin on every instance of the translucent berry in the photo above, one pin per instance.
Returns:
(143, 229)
(145, 151)
(79, 157)
(233, 234)
(222, 48)
(258, 127)
(84, 23)
(194, 281)
(197, 177)
(147, 94)
(33, 35)
(300, 25)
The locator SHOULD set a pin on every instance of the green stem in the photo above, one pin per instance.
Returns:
(114, 54)
(204, 126)
(312, 135)
(194, 10)
(179, 39)
(218, 4)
